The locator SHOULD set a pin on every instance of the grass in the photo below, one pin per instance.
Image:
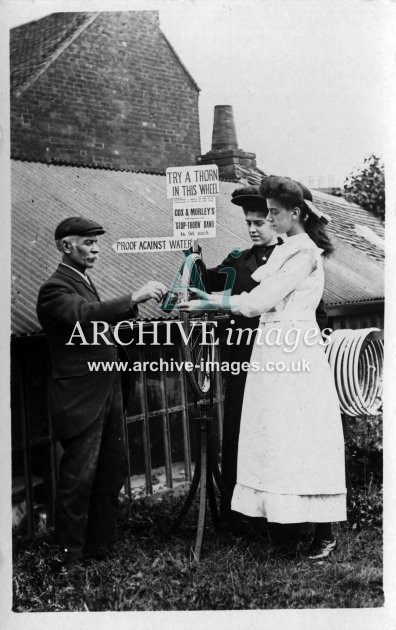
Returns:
(146, 572)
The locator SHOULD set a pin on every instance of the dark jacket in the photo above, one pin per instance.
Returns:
(77, 394)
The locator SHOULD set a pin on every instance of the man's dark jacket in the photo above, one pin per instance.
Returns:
(77, 395)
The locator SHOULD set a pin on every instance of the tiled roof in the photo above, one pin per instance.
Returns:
(131, 204)
(345, 216)
(248, 175)
(32, 45)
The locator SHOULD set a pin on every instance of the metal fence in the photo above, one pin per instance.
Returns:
(163, 410)
(160, 423)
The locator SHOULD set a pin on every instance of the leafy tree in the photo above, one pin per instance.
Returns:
(366, 186)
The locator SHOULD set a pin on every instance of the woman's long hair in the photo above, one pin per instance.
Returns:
(290, 195)
(317, 232)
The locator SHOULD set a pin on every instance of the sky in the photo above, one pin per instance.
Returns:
(308, 79)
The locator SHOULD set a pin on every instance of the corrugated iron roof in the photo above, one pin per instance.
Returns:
(131, 204)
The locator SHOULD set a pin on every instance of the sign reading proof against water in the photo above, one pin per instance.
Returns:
(152, 244)
(189, 182)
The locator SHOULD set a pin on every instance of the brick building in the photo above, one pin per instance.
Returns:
(96, 98)
(101, 89)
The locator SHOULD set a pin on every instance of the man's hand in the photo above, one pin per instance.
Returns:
(152, 290)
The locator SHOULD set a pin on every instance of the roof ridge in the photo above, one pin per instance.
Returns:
(57, 53)
(102, 167)
(62, 162)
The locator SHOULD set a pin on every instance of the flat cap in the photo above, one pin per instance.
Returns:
(249, 197)
(78, 226)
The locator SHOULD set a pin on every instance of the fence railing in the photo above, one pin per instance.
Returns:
(159, 427)
(160, 422)
(176, 409)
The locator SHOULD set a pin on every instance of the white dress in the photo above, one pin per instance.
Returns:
(291, 449)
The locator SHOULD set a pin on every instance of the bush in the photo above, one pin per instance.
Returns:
(364, 455)
(366, 186)
(364, 450)
(365, 509)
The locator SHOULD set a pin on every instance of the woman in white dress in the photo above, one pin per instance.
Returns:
(291, 465)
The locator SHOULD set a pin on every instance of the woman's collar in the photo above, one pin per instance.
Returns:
(302, 237)
(296, 236)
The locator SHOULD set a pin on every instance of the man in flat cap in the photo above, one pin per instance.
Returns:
(86, 407)
(235, 274)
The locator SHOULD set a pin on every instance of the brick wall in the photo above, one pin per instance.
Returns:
(117, 96)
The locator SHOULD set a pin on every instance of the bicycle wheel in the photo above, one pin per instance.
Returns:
(198, 344)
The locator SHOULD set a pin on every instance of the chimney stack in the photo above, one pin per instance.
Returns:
(232, 162)
(224, 133)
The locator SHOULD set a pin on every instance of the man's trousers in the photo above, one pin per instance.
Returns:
(91, 474)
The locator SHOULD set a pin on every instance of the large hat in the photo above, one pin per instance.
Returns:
(300, 192)
(77, 226)
(248, 197)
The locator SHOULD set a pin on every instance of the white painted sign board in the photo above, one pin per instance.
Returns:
(190, 182)
(152, 244)
(194, 218)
